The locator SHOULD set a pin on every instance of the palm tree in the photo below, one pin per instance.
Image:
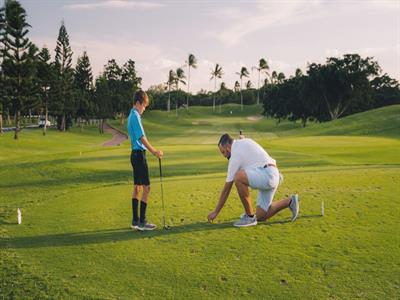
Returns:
(216, 73)
(262, 65)
(170, 82)
(221, 91)
(249, 85)
(191, 63)
(237, 86)
(280, 77)
(274, 77)
(265, 84)
(243, 73)
(179, 78)
(298, 73)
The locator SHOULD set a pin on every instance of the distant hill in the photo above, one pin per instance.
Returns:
(384, 121)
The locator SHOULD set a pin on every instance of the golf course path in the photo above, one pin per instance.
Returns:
(118, 137)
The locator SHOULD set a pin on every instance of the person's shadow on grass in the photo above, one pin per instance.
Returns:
(114, 235)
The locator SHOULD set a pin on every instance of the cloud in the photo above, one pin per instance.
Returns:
(115, 4)
(165, 63)
(240, 23)
(384, 4)
(206, 64)
(101, 50)
(152, 61)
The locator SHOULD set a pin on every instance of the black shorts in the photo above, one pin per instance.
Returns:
(140, 169)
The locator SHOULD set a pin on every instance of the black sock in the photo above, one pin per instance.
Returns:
(135, 214)
(143, 206)
(251, 216)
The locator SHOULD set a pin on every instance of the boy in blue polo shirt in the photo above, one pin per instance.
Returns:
(141, 178)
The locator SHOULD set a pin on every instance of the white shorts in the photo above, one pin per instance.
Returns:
(266, 181)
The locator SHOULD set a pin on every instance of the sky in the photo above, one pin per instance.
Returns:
(159, 35)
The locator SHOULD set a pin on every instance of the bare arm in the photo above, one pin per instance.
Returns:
(221, 202)
(149, 147)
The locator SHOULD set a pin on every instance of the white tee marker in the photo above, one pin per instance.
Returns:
(19, 216)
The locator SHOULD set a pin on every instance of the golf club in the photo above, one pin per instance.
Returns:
(166, 227)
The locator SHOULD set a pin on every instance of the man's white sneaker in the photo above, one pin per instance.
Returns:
(246, 221)
(294, 206)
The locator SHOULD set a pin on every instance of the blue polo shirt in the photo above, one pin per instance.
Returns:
(135, 130)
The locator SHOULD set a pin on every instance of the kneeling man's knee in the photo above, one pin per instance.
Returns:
(240, 176)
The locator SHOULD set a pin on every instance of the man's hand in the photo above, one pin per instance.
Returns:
(212, 215)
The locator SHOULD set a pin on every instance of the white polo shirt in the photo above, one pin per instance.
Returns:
(246, 153)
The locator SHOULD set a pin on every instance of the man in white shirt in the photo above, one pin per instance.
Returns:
(251, 166)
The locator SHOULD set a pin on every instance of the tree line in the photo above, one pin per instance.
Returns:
(168, 94)
(31, 81)
(340, 87)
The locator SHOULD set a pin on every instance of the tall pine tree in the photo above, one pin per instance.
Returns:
(84, 86)
(113, 74)
(103, 96)
(130, 84)
(2, 85)
(18, 66)
(63, 92)
(45, 78)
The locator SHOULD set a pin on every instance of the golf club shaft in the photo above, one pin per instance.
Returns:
(162, 190)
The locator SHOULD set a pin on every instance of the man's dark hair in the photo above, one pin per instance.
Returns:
(225, 139)
(140, 96)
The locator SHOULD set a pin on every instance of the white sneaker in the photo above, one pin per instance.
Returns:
(246, 221)
(294, 206)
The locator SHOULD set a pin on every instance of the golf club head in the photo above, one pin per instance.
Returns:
(167, 227)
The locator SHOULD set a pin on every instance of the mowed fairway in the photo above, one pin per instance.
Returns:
(74, 241)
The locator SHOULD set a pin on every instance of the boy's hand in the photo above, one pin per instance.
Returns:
(159, 153)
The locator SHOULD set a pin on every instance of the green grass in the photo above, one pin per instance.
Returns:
(74, 241)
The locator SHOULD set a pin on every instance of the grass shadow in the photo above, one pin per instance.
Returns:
(270, 223)
(112, 235)
(6, 223)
